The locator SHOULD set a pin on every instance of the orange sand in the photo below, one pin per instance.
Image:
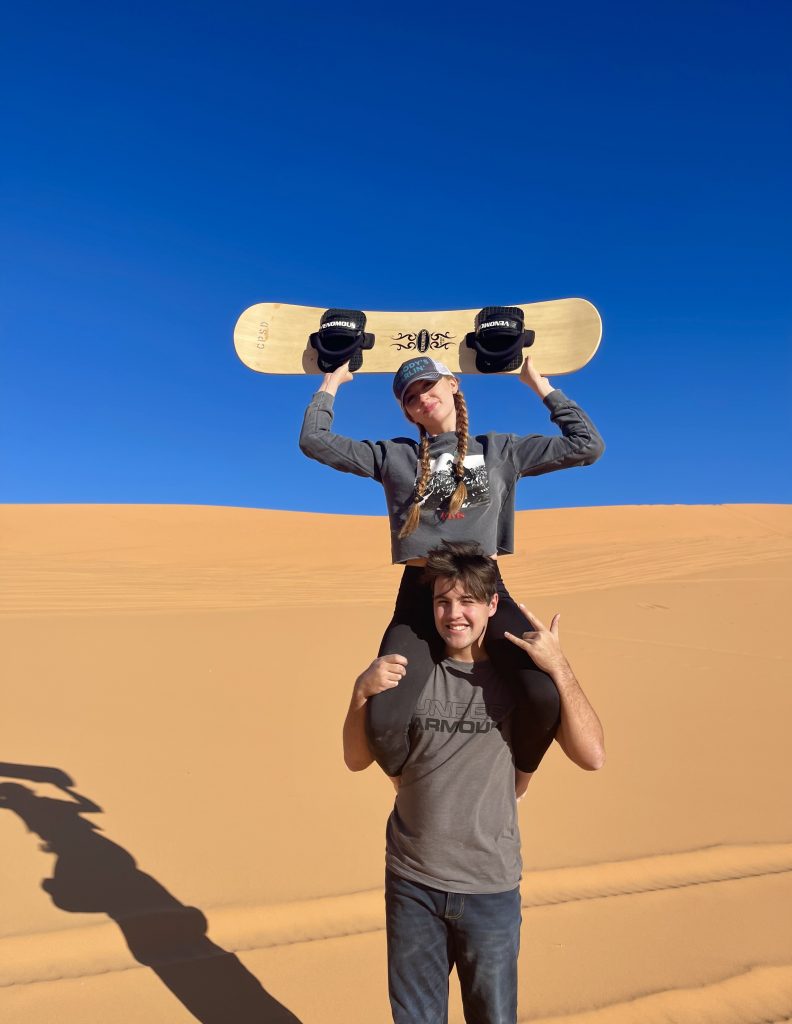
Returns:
(189, 668)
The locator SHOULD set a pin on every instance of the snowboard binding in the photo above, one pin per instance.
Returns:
(341, 338)
(499, 338)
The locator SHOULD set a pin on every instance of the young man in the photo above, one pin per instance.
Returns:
(453, 859)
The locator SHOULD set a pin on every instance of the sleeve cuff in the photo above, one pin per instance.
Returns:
(323, 400)
(556, 399)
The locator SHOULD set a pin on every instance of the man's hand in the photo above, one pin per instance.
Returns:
(579, 731)
(332, 381)
(536, 382)
(541, 643)
(382, 674)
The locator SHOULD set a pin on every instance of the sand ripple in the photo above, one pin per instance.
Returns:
(760, 996)
(99, 949)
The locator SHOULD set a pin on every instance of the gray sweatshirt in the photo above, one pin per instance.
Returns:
(493, 465)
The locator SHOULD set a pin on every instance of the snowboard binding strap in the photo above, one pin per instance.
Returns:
(341, 338)
(499, 339)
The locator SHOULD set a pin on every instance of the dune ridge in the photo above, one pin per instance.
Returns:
(92, 950)
(762, 995)
(67, 559)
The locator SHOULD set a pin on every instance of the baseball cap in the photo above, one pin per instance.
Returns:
(421, 368)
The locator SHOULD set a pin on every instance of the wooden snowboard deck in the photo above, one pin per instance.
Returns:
(272, 337)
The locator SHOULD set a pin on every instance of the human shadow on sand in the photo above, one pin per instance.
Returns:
(94, 875)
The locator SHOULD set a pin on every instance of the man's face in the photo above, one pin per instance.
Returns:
(460, 618)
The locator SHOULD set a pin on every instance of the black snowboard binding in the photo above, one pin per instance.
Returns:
(499, 339)
(341, 338)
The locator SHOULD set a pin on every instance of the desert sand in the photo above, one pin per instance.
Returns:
(181, 840)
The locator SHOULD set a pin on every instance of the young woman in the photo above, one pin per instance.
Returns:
(451, 486)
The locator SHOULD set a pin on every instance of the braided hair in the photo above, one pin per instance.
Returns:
(460, 493)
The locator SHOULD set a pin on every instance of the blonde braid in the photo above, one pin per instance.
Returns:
(459, 496)
(414, 516)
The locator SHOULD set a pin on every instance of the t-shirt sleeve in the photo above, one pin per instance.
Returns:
(580, 443)
(363, 458)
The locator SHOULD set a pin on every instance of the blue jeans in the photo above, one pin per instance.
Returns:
(430, 930)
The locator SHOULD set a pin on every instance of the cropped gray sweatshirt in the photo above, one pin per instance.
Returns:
(493, 465)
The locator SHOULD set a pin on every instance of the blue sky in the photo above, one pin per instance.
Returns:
(168, 165)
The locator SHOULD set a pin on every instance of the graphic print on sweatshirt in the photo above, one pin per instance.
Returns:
(442, 483)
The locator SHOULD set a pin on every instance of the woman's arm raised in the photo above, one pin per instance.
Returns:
(529, 375)
(363, 458)
(333, 381)
(580, 443)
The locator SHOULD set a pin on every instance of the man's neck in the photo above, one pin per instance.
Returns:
(472, 654)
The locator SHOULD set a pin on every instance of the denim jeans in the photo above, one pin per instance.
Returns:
(429, 931)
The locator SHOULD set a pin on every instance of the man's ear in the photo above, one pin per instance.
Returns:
(493, 605)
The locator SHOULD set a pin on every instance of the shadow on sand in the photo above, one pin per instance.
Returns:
(96, 876)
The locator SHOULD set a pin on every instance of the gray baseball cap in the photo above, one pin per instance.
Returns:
(420, 368)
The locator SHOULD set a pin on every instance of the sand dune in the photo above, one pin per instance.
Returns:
(175, 681)
(79, 953)
(756, 997)
(73, 558)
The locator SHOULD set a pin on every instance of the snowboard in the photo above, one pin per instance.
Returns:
(561, 336)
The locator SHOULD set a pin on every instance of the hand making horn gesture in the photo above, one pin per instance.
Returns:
(542, 644)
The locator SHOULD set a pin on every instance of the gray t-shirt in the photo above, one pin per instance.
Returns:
(454, 824)
(492, 467)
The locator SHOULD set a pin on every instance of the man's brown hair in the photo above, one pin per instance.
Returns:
(465, 563)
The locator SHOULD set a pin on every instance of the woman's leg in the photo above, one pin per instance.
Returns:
(411, 633)
(538, 709)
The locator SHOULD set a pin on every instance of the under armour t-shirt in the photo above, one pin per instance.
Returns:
(454, 824)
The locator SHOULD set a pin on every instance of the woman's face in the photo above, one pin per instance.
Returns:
(430, 404)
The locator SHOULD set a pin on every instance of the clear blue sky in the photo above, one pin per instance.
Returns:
(166, 165)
